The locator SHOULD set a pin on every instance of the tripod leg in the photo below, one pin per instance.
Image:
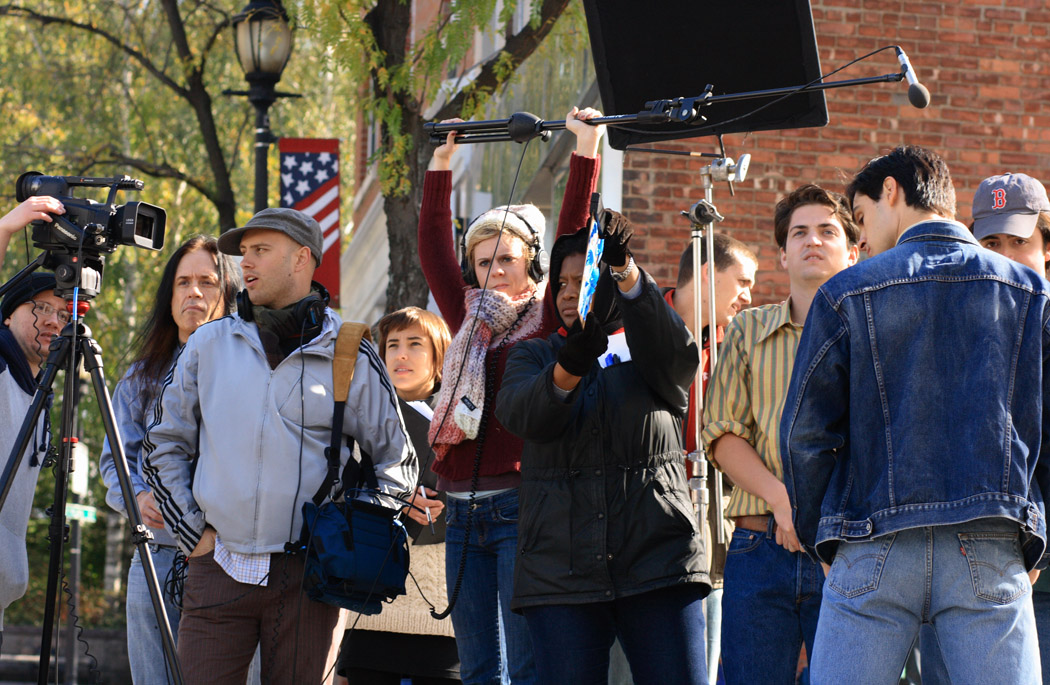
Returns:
(61, 355)
(92, 355)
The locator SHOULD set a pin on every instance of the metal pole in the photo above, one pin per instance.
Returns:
(262, 148)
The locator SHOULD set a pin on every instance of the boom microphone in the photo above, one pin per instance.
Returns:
(918, 94)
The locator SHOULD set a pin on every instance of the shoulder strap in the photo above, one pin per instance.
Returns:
(347, 344)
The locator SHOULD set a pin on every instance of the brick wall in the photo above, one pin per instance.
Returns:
(986, 65)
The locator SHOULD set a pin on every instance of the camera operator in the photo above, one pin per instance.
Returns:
(238, 445)
(32, 314)
(199, 284)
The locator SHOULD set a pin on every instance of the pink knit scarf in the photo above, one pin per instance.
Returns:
(496, 313)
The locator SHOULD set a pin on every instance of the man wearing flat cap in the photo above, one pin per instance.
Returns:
(238, 445)
(32, 314)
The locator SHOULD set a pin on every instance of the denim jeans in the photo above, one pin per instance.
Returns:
(770, 604)
(968, 580)
(662, 633)
(484, 596)
(713, 615)
(145, 653)
(1041, 605)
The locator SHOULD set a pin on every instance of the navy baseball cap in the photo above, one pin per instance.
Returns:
(25, 291)
(1010, 204)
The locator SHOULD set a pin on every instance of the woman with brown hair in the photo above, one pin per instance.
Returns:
(404, 641)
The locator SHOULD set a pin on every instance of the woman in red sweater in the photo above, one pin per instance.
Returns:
(495, 304)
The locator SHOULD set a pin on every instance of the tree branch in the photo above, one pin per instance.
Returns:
(113, 156)
(518, 47)
(46, 19)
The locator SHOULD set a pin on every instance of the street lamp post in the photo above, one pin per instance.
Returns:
(264, 42)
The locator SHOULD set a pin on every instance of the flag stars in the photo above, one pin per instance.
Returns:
(302, 187)
(289, 162)
(306, 168)
(324, 158)
(321, 175)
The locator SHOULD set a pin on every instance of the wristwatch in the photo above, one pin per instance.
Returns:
(621, 276)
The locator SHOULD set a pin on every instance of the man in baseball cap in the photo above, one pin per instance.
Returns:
(239, 445)
(1011, 216)
(32, 314)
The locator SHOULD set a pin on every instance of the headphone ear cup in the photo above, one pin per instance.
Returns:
(244, 306)
(540, 266)
(310, 310)
(469, 277)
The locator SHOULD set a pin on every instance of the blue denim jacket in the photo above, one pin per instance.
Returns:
(917, 396)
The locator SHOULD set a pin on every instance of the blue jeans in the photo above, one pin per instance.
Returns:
(968, 580)
(770, 604)
(713, 614)
(662, 633)
(1041, 605)
(145, 653)
(488, 584)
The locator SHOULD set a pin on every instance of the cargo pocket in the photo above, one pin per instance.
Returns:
(996, 565)
(857, 567)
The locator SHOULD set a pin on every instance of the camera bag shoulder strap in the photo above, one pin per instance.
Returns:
(347, 344)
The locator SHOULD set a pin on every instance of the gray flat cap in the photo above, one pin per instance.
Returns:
(300, 227)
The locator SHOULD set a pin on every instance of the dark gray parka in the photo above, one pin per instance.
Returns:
(604, 504)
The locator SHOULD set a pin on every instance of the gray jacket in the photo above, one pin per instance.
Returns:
(260, 434)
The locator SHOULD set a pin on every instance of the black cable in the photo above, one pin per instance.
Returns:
(486, 414)
(745, 115)
(93, 670)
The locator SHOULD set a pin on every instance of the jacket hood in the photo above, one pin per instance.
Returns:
(12, 358)
(604, 306)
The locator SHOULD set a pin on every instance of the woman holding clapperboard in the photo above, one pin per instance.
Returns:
(492, 303)
(608, 545)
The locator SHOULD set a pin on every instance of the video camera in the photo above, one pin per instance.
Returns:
(77, 240)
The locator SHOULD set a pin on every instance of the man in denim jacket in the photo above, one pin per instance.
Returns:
(914, 438)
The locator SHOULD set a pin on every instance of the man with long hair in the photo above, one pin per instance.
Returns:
(198, 284)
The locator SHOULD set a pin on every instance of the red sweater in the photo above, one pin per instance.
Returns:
(501, 453)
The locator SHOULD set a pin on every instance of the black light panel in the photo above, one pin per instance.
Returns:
(674, 48)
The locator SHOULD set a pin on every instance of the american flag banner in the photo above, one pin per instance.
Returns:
(310, 183)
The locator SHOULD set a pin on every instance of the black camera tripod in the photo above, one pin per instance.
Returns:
(73, 346)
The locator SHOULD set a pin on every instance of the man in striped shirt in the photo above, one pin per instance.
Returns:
(772, 591)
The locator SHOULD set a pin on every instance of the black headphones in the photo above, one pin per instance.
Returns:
(309, 310)
(537, 267)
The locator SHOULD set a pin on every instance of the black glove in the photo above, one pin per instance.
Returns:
(617, 232)
(583, 346)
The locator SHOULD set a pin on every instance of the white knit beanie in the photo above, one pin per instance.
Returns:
(515, 219)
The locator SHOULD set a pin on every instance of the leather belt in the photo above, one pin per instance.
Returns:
(758, 523)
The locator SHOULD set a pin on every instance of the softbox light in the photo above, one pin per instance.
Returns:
(674, 48)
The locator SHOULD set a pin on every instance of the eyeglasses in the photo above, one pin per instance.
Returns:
(44, 310)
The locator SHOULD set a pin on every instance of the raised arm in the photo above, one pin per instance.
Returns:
(437, 251)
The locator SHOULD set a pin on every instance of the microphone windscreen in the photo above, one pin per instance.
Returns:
(918, 95)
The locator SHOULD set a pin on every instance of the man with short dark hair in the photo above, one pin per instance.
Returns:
(32, 315)
(238, 445)
(772, 592)
(914, 439)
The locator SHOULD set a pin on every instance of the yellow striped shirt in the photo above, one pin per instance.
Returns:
(747, 392)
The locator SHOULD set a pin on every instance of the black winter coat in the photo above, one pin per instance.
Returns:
(604, 504)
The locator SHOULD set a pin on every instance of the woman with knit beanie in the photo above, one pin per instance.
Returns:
(495, 302)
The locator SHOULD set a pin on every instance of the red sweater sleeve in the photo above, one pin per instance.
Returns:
(575, 209)
(437, 253)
